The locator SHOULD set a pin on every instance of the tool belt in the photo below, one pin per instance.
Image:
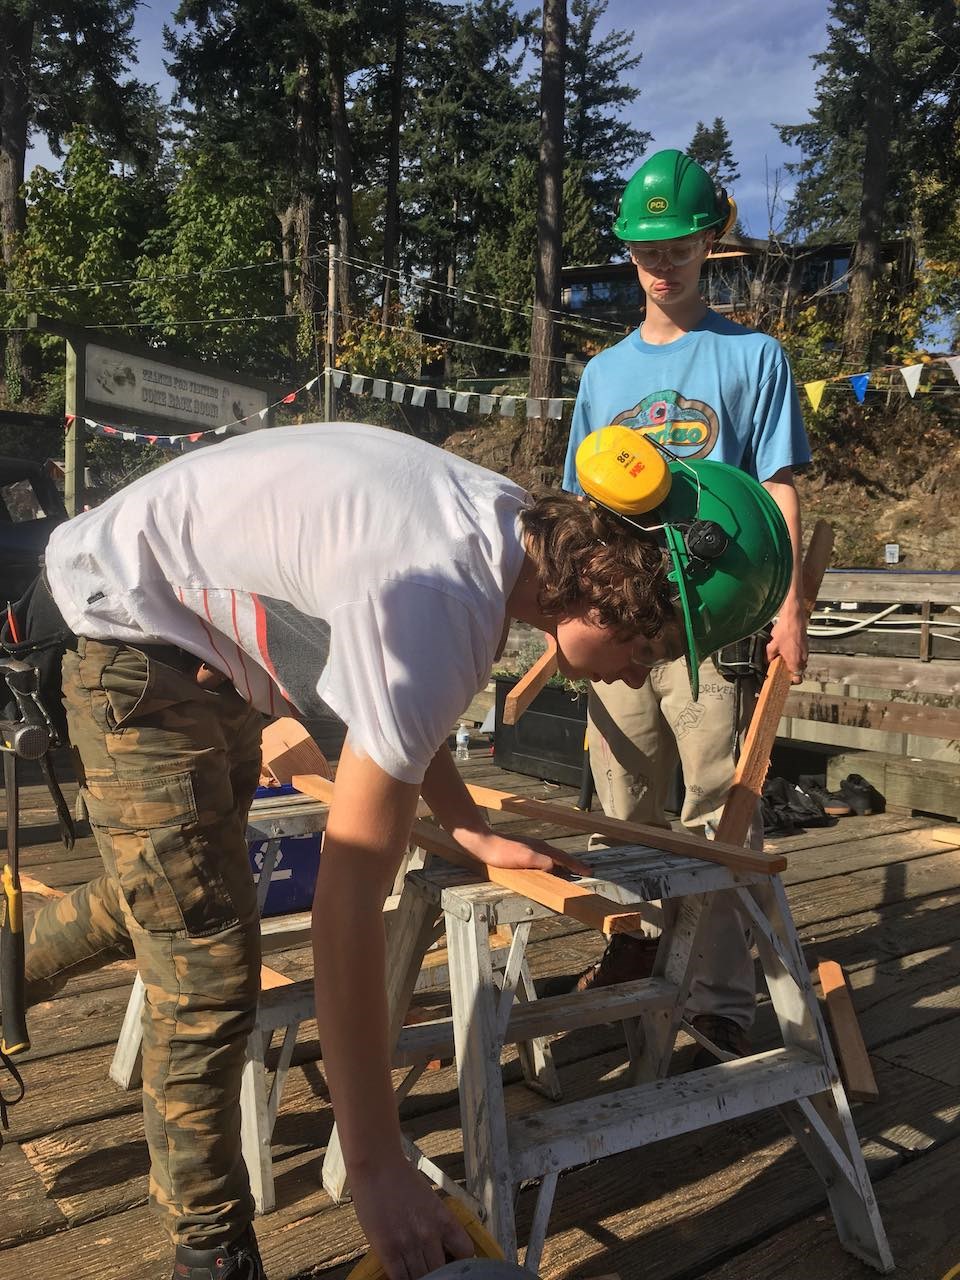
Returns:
(746, 659)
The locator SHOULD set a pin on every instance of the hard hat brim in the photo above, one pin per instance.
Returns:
(741, 591)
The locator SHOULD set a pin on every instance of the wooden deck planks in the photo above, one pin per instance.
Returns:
(880, 895)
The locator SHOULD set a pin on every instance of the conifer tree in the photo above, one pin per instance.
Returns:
(882, 101)
(712, 148)
(60, 66)
(599, 90)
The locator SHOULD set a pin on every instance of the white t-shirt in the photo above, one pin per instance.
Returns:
(335, 565)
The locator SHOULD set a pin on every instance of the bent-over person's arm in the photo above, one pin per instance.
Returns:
(367, 832)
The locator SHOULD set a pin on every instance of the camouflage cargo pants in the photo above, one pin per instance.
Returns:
(168, 771)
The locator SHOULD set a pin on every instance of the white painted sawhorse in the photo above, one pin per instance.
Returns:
(800, 1078)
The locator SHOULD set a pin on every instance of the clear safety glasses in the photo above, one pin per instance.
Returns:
(674, 253)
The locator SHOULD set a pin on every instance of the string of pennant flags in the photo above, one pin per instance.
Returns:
(911, 374)
(471, 401)
(356, 384)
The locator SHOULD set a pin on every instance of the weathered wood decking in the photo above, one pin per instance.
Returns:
(880, 895)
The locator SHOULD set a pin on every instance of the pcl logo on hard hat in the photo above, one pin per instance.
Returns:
(658, 204)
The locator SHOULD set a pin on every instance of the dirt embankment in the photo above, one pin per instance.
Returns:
(893, 479)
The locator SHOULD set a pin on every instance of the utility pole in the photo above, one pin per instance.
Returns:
(330, 361)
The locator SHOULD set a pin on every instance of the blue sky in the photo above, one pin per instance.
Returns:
(745, 60)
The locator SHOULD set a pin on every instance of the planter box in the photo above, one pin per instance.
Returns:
(547, 740)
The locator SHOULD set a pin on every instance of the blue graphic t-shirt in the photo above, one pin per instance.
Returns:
(720, 391)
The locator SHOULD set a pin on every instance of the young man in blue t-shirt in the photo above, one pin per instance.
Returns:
(702, 386)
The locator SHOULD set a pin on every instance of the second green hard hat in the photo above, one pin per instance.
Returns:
(670, 195)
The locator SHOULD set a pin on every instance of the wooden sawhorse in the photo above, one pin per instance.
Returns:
(800, 1078)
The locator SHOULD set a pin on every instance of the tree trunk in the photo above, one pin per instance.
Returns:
(391, 216)
(343, 179)
(16, 52)
(542, 447)
(288, 240)
(450, 301)
(860, 319)
(306, 130)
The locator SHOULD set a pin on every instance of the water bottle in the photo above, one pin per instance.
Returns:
(463, 742)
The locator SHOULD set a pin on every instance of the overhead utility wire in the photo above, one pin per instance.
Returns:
(77, 287)
(474, 296)
(462, 342)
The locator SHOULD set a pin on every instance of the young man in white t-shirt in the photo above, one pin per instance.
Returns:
(306, 570)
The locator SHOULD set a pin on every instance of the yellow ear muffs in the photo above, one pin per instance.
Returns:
(622, 470)
(731, 212)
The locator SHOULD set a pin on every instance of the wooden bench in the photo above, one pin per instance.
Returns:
(903, 681)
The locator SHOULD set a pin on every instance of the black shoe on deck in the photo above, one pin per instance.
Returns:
(833, 805)
(862, 796)
(239, 1260)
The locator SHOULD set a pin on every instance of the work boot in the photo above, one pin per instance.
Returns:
(725, 1034)
(862, 796)
(626, 959)
(239, 1260)
(832, 804)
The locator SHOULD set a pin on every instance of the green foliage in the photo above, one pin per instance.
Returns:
(898, 50)
(600, 143)
(712, 148)
(216, 253)
(505, 262)
(369, 349)
(78, 77)
(84, 227)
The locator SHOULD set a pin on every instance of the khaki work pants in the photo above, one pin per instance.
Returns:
(168, 771)
(636, 737)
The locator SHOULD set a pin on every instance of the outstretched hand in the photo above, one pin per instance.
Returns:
(514, 853)
(407, 1224)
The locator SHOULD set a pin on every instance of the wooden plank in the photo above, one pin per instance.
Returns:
(932, 786)
(822, 863)
(286, 748)
(886, 587)
(530, 684)
(744, 795)
(870, 713)
(27, 1213)
(821, 901)
(851, 828)
(858, 1078)
(931, 1052)
(920, 1203)
(541, 886)
(904, 674)
(622, 832)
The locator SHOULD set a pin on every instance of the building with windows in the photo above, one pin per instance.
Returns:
(758, 282)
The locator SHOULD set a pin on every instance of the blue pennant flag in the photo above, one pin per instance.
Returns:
(859, 383)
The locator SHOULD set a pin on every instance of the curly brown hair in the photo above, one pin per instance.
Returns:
(587, 559)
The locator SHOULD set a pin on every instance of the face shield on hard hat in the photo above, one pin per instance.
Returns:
(670, 196)
(727, 542)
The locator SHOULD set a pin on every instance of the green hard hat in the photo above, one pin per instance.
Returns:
(730, 552)
(670, 195)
